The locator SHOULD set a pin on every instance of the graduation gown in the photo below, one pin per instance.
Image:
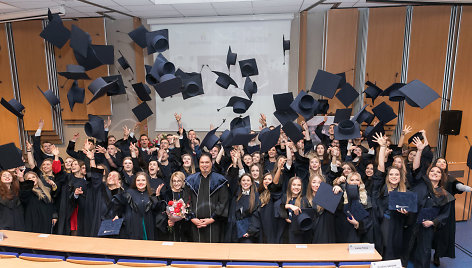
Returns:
(345, 231)
(323, 231)
(294, 236)
(270, 222)
(180, 232)
(242, 220)
(66, 204)
(11, 214)
(38, 213)
(208, 198)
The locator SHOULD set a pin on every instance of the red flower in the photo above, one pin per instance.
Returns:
(170, 203)
(179, 205)
(176, 210)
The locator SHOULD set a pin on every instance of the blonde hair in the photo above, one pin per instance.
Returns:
(362, 190)
(309, 192)
(180, 175)
(298, 200)
(313, 173)
(41, 191)
(401, 185)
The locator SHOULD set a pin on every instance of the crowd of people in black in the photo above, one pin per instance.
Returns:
(238, 193)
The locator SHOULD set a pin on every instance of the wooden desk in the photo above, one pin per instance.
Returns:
(185, 250)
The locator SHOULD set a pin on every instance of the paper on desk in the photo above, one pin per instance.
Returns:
(167, 243)
(43, 235)
(300, 246)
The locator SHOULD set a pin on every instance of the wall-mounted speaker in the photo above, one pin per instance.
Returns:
(450, 122)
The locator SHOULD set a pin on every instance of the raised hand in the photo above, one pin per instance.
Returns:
(55, 150)
(40, 124)
(178, 117)
(380, 139)
(418, 143)
(29, 146)
(159, 188)
(19, 173)
(407, 129)
(107, 123)
(263, 121)
(75, 137)
(78, 191)
(101, 149)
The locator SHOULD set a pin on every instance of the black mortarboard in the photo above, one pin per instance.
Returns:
(210, 140)
(75, 72)
(323, 107)
(157, 41)
(325, 197)
(99, 87)
(151, 79)
(416, 135)
(305, 105)
(370, 132)
(342, 114)
(355, 209)
(250, 87)
(118, 88)
(347, 95)
(418, 94)
(110, 227)
(393, 92)
(248, 67)
(363, 116)
(224, 80)
(384, 112)
(372, 91)
(283, 112)
(105, 53)
(224, 137)
(50, 96)
(97, 55)
(269, 139)
(231, 57)
(13, 106)
(239, 136)
(138, 35)
(142, 111)
(343, 79)
(142, 91)
(293, 131)
(75, 95)
(95, 127)
(79, 40)
(347, 130)
(192, 85)
(240, 105)
(55, 33)
(304, 220)
(285, 44)
(10, 156)
(427, 214)
(123, 62)
(406, 200)
(162, 66)
(325, 84)
(241, 122)
(169, 85)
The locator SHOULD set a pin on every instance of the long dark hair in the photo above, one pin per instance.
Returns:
(252, 192)
(6, 193)
(148, 186)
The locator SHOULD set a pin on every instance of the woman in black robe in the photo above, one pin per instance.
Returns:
(130, 167)
(11, 210)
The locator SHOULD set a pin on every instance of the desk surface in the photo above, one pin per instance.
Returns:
(185, 250)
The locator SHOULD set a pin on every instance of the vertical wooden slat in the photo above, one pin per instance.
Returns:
(341, 46)
(302, 52)
(140, 71)
(8, 121)
(428, 47)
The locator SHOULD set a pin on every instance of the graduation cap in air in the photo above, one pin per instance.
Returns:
(240, 105)
(54, 17)
(283, 112)
(303, 222)
(138, 35)
(224, 137)
(406, 200)
(142, 111)
(192, 85)
(342, 114)
(119, 88)
(285, 45)
(50, 96)
(293, 131)
(250, 87)
(97, 55)
(347, 130)
(100, 87)
(95, 127)
(241, 122)
(239, 136)
(14, 107)
(418, 135)
(305, 105)
(162, 66)
(269, 139)
(363, 116)
(168, 85)
(80, 40)
(384, 112)
(343, 79)
(325, 197)
(231, 58)
(157, 41)
(372, 91)
(10, 156)
(210, 140)
(75, 95)
(323, 107)
(55, 32)
(74, 72)
(347, 95)
(370, 132)
(418, 94)
(124, 62)
(142, 91)
(248, 67)
(325, 84)
(150, 79)
(224, 80)
(393, 92)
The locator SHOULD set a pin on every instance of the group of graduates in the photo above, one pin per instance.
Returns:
(240, 193)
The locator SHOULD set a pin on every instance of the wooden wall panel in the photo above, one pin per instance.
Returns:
(341, 46)
(385, 50)
(457, 146)
(428, 45)
(8, 121)
(31, 67)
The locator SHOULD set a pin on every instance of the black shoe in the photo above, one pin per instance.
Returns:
(436, 261)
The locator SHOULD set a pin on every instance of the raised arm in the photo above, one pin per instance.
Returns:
(420, 146)
(382, 141)
(406, 130)
(29, 155)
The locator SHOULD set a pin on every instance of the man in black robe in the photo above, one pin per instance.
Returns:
(207, 194)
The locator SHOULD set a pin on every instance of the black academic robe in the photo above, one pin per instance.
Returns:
(270, 222)
(323, 226)
(180, 232)
(136, 208)
(208, 198)
(65, 201)
(38, 213)
(294, 236)
(11, 214)
(240, 218)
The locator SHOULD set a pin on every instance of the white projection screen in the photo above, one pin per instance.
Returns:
(195, 44)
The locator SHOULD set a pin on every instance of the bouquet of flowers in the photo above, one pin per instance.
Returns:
(176, 210)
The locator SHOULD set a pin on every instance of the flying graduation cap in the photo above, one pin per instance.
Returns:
(305, 105)
(418, 94)
(75, 95)
(384, 112)
(124, 63)
(231, 58)
(393, 92)
(80, 41)
(118, 88)
(248, 67)
(55, 32)
(325, 84)
(372, 91)
(100, 87)
(14, 106)
(285, 45)
(50, 96)
(250, 87)
(269, 139)
(224, 80)
(74, 72)
(363, 116)
(95, 127)
(283, 112)
(192, 85)
(347, 95)
(142, 91)
(157, 41)
(241, 122)
(210, 139)
(142, 111)
(97, 55)
(240, 105)
(138, 35)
